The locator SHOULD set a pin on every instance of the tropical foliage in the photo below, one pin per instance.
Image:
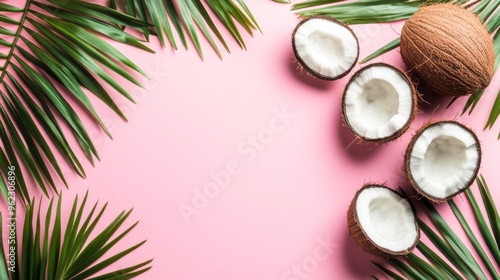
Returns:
(379, 11)
(54, 56)
(74, 249)
(190, 17)
(457, 260)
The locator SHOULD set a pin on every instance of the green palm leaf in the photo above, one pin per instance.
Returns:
(458, 262)
(190, 18)
(78, 252)
(54, 55)
(379, 11)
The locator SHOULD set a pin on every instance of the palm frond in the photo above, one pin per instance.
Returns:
(4, 274)
(379, 11)
(365, 11)
(190, 19)
(464, 264)
(387, 48)
(78, 252)
(391, 274)
(438, 262)
(53, 56)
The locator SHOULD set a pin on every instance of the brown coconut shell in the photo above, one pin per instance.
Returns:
(399, 132)
(409, 149)
(363, 240)
(305, 66)
(449, 48)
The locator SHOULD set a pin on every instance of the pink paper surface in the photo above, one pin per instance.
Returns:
(281, 213)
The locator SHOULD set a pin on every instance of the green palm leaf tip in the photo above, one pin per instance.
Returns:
(455, 253)
(191, 19)
(54, 57)
(379, 11)
(77, 252)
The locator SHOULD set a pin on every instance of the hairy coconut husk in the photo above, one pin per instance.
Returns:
(305, 66)
(413, 113)
(406, 167)
(362, 239)
(449, 48)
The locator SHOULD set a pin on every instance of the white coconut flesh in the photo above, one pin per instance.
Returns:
(387, 219)
(378, 102)
(326, 47)
(444, 159)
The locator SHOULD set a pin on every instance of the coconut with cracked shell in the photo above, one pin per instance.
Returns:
(325, 47)
(379, 103)
(442, 160)
(383, 222)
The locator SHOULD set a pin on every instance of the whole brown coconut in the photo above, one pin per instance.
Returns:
(449, 49)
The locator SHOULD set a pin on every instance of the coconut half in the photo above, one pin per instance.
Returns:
(325, 47)
(379, 103)
(383, 222)
(442, 160)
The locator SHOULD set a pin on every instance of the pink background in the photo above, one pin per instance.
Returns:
(289, 198)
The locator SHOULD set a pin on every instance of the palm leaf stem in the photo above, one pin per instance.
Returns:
(16, 38)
